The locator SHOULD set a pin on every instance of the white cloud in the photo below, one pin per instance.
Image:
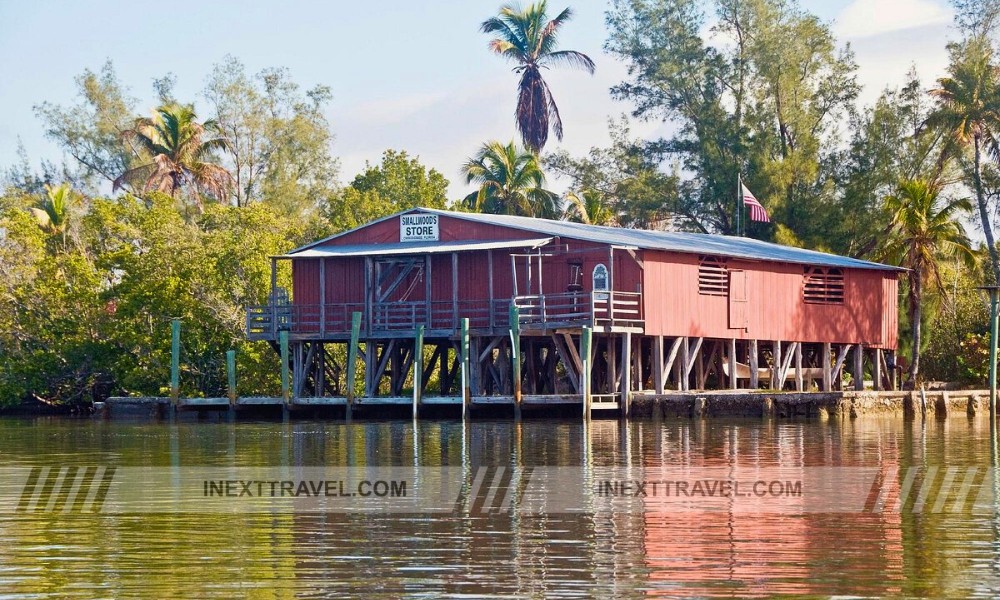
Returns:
(864, 18)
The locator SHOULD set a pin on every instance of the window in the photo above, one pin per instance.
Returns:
(600, 281)
(713, 276)
(823, 285)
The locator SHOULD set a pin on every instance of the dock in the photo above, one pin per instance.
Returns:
(682, 405)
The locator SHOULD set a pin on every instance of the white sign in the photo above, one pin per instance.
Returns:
(418, 228)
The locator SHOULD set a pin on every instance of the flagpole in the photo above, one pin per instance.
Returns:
(739, 200)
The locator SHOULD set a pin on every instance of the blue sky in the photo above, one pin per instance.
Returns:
(410, 75)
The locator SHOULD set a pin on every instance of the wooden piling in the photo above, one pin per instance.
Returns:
(352, 359)
(285, 387)
(586, 338)
(515, 356)
(466, 384)
(626, 374)
(175, 361)
(418, 369)
(231, 376)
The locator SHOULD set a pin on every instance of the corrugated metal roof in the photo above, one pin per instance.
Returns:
(670, 241)
(413, 248)
(692, 243)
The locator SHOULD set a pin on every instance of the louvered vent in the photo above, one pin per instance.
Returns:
(713, 277)
(822, 285)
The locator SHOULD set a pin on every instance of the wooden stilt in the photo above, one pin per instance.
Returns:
(352, 359)
(776, 382)
(626, 389)
(515, 356)
(466, 388)
(753, 361)
(692, 354)
(859, 369)
(876, 368)
(612, 364)
(586, 336)
(658, 375)
(684, 370)
(799, 383)
(733, 384)
(826, 366)
(418, 369)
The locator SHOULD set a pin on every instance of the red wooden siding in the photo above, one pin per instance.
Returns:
(764, 299)
(775, 308)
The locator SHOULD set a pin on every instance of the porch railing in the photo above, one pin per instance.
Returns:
(580, 308)
(538, 311)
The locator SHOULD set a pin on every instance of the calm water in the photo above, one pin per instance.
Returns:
(216, 555)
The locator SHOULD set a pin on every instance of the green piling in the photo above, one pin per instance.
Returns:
(352, 358)
(175, 361)
(286, 395)
(466, 384)
(515, 355)
(231, 375)
(993, 353)
(418, 368)
(586, 338)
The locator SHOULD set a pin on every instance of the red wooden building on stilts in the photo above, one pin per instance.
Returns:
(666, 311)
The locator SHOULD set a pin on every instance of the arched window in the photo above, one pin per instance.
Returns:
(600, 278)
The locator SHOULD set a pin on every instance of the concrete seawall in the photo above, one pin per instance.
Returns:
(678, 405)
(938, 404)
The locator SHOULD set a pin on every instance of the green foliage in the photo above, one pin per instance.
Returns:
(968, 111)
(924, 232)
(95, 319)
(628, 179)
(764, 101)
(399, 182)
(528, 38)
(90, 131)
(510, 182)
(177, 155)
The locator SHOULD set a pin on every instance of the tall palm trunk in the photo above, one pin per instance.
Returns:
(984, 212)
(916, 292)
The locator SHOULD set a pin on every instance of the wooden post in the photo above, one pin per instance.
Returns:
(352, 358)
(285, 387)
(626, 373)
(658, 375)
(732, 365)
(799, 384)
(418, 368)
(827, 374)
(272, 299)
(515, 356)
(231, 375)
(466, 383)
(682, 379)
(454, 291)
(612, 364)
(586, 338)
(175, 361)
(877, 369)
(489, 282)
(753, 362)
(322, 297)
(859, 369)
(776, 368)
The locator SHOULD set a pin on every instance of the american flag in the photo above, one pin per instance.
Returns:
(757, 212)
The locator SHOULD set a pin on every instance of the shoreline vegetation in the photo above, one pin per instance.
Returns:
(171, 211)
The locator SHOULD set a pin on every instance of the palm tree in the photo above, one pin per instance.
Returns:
(510, 182)
(179, 154)
(922, 235)
(53, 215)
(968, 107)
(527, 38)
(589, 207)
